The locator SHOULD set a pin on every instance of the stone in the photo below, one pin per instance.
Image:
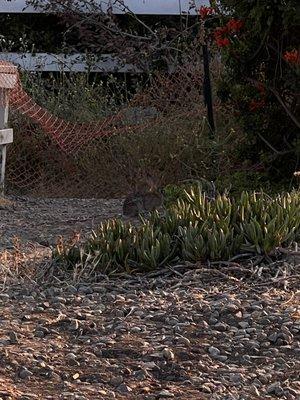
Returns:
(221, 327)
(214, 351)
(24, 373)
(85, 290)
(116, 380)
(244, 324)
(168, 354)
(135, 329)
(183, 340)
(124, 389)
(164, 394)
(276, 389)
(13, 337)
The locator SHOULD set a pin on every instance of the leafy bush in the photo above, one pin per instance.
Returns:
(195, 228)
(260, 80)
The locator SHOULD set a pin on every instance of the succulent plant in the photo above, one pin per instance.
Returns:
(195, 228)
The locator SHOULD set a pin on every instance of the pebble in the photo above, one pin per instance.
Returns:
(135, 329)
(276, 389)
(24, 373)
(221, 327)
(13, 337)
(124, 389)
(244, 324)
(164, 394)
(183, 340)
(85, 290)
(168, 354)
(116, 380)
(214, 351)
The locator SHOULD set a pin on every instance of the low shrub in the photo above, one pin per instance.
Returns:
(195, 228)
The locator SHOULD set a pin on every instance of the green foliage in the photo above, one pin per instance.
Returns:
(261, 83)
(195, 228)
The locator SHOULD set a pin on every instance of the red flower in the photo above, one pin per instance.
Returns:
(234, 25)
(256, 104)
(205, 12)
(220, 32)
(222, 42)
(292, 57)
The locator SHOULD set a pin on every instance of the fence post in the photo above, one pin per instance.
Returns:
(8, 78)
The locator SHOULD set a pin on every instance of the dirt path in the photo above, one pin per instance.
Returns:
(41, 221)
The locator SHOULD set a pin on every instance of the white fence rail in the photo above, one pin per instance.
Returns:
(45, 62)
(143, 7)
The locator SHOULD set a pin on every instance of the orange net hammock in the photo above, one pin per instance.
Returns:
(69, 137)
(46, 148)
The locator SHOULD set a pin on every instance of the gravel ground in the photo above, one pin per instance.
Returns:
(190, 332)
(41, 221)
(183, 336)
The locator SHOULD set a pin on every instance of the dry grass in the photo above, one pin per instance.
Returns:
(24, 263)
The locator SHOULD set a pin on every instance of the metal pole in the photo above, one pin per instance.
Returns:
(207, 91)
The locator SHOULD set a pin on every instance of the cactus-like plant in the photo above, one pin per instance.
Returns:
(195, 228)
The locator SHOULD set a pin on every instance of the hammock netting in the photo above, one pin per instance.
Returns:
(47, 148)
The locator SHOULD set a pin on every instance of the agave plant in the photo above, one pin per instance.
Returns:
(196, 228)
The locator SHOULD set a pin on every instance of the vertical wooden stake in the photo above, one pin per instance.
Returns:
(3, 162)
(3, 125)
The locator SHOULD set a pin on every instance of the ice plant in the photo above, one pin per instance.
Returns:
(292, 57)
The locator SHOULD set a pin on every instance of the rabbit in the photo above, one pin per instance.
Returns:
(145, 198)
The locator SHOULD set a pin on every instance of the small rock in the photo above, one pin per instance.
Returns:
(85, 290)
(164, 394)
(253, 389)
(244, 324)
(135, 329)
(71, 359)
(236, 378)
(124, 389)
(214, 351)
(168, 354)
(13, 338)
(221, 358)
(221, 327)
(273, 337)
(184, 340)
(231, 307)
(140, 375)
(24, 373)
(116, 380)
(275, 388)
(205, 388)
